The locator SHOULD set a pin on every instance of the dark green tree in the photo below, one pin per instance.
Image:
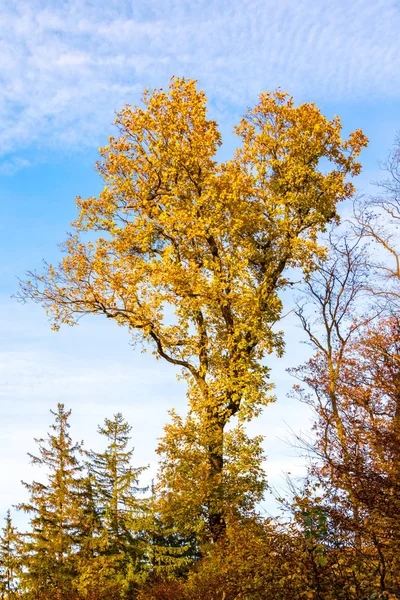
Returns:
(51, 544)
(88, 579)
(10, 560)
(89, 518)
(121, 511)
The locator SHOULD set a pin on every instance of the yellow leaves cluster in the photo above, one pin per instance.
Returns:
(188, 484)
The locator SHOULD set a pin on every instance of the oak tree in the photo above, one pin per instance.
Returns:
(190, 254)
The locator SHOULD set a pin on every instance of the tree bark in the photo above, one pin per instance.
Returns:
(215, 502)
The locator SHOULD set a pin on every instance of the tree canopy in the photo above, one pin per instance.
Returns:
(190, 254)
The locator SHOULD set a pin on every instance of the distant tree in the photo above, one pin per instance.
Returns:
(190, 255)
(10, 560)
(50, 547)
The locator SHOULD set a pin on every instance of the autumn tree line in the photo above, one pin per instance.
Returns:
(191, 256)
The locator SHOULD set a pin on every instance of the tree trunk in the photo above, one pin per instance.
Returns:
(215, 501)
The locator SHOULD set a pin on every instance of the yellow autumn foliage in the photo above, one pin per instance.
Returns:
(190, 254)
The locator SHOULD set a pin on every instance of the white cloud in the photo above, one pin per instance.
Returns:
(67, 65)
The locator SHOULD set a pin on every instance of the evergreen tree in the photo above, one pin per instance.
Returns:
(10, 562)
(116, 488)
(50, 549)
(90, 565)
(90, 523)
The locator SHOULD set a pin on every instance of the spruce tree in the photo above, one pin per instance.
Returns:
(89, 518)
(10, 560)
(93, 581)
(50, 549)
(116, 482)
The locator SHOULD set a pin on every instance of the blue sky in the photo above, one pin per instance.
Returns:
(65, 67)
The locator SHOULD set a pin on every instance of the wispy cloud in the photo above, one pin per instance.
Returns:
(66, 66)
(12, 165)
